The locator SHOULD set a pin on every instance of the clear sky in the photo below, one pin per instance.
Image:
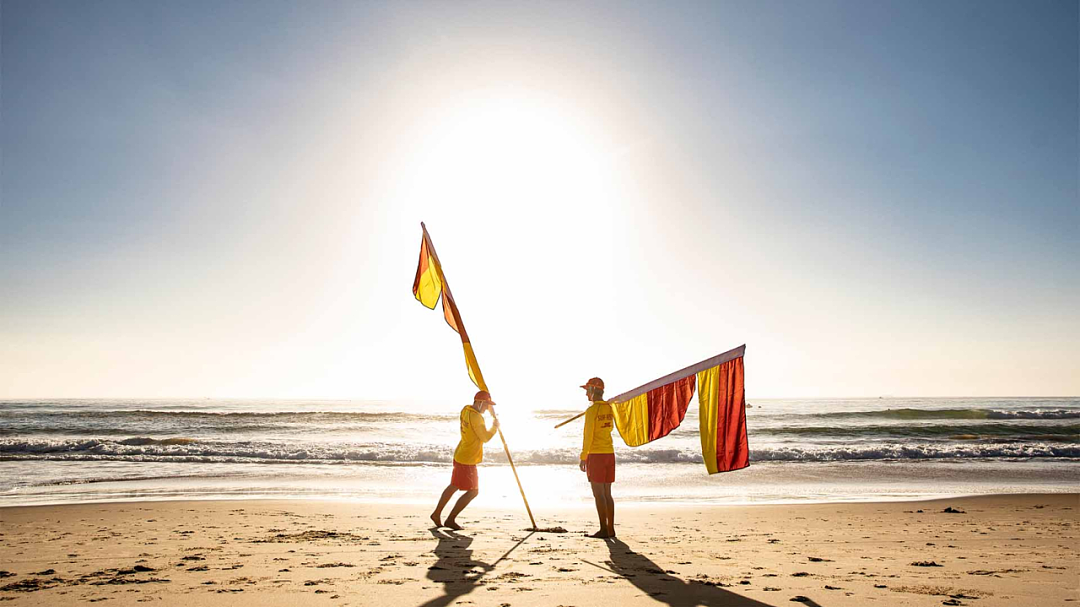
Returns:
(224, 199)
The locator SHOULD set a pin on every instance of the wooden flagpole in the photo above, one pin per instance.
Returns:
(446, 287)
(561, 424)
(514, 470)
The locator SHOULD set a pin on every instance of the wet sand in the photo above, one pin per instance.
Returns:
(984, 551)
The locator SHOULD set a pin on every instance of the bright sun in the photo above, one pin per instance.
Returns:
(520, 190)
(493, 147)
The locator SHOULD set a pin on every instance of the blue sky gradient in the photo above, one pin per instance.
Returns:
(207, 198)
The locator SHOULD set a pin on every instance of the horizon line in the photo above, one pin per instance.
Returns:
(413, 400)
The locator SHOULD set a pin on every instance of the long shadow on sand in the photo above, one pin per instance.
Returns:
(455, 567)
(651, 579)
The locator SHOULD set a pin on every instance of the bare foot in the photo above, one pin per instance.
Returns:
(435, 519)
(610, 534)
(598, 535)
(453, 525)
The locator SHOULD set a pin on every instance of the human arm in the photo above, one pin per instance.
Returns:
(480, 428)
(586, 440)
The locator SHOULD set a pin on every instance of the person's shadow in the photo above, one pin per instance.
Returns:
(664, 587)
(454, 569)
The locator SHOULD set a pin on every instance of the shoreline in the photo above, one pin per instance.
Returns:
(995, 550)
(51, 483)
(568, 506)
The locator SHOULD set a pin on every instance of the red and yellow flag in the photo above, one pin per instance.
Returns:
(428, 285)
(652, 411)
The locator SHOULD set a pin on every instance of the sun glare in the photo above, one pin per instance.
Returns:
(509, 154)
(497, 174)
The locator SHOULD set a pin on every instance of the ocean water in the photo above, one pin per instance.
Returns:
(58, 451)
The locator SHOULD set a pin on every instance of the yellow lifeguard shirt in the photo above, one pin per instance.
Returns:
(474, 433)
(599, 420)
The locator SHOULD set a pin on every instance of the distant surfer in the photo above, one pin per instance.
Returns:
(469, 453)
(598, 456)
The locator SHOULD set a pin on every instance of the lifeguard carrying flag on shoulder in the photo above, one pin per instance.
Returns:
(652, 411)
(429, 284)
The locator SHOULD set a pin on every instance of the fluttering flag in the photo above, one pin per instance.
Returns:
(429, 284)
(652, 411)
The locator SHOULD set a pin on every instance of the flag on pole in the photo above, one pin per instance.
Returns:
(652, 411)
(429, 284)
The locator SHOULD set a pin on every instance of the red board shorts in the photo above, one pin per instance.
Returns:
(601, 467)
(465, 477)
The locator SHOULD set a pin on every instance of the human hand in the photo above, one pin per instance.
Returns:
(581, 465)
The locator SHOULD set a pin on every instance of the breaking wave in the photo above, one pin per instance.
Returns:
(154, 441)
(187, 450)
(972, 430)
(298, 416)
(126, 423)
(915, 414)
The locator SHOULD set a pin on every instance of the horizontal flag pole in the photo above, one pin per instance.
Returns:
(561, 424)
(708, 363)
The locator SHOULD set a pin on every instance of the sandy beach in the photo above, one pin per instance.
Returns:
(996, 550)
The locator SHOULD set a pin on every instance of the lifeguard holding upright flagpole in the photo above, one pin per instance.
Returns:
(429, 285)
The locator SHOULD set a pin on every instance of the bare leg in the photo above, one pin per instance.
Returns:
(436, 517)
(601, 508)
(610, 510)
(468, 496)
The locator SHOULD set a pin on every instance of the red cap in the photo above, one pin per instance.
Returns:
(595, 382)
(483, 396)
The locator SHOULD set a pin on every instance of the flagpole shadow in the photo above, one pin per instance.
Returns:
(454, 568)
(666, 588)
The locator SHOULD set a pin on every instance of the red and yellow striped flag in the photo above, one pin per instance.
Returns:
(428, 285)
(652, 411)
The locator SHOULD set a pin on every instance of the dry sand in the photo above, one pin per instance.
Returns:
(1001, 550)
